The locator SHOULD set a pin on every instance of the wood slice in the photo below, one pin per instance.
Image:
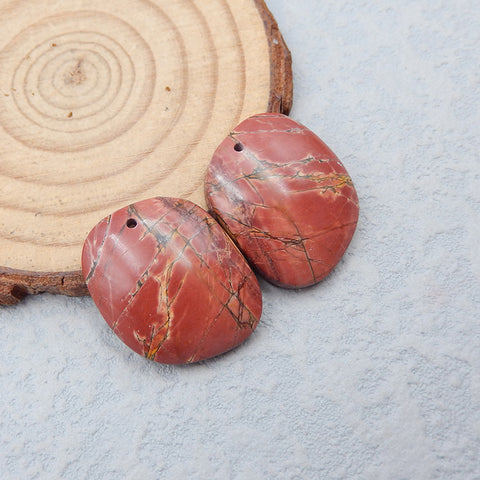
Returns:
(106, 103)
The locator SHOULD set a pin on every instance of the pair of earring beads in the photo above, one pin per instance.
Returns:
(176, 284)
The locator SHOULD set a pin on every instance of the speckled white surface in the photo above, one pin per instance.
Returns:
(374, 373)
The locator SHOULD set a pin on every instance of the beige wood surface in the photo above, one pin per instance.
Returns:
(106, 103)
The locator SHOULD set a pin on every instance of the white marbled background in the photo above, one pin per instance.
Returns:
(374, 373)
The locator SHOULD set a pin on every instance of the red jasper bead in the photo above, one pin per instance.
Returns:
(284, 197)
(169, 281)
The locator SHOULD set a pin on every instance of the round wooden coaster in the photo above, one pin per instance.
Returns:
(106, 103)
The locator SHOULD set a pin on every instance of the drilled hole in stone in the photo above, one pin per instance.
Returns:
(131, 223)
(238, 147)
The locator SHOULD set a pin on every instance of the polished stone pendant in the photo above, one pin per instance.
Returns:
(169, 281)
(284, 197)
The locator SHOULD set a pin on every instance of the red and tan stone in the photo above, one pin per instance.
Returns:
(284, 197)
(169, 281)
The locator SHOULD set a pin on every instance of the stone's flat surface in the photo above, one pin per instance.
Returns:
(285, 198)
(169, 281)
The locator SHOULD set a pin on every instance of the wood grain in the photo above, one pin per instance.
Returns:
(103, 104)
